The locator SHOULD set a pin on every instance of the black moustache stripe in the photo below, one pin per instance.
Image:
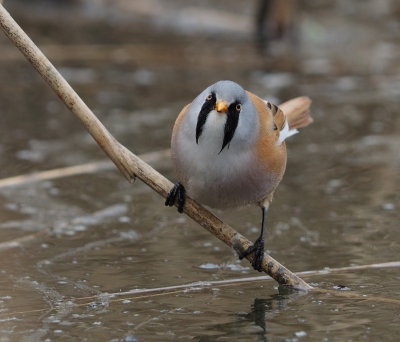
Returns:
(231, 124)
(206, 109)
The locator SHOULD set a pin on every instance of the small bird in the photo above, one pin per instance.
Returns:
(228, 150)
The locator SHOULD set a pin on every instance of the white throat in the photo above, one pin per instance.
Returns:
(213, 131)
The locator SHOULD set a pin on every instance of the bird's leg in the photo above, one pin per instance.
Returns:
(258, 246)
(177, 193)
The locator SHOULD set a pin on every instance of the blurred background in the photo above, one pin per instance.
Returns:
(67, 242)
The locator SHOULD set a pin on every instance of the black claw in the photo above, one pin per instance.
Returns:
(258, 249)
(170, 200)
(177, 193)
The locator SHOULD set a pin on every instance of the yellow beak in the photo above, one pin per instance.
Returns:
(221, 107)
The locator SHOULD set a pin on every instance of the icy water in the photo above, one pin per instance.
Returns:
(78, 252)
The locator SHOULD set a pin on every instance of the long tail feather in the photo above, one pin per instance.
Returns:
(297, 112)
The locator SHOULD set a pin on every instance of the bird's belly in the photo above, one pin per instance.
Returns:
(225, 180)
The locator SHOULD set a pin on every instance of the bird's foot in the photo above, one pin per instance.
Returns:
(177, 193)
(258, 249)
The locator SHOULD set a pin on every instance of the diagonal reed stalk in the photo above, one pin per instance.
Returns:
(128, 163)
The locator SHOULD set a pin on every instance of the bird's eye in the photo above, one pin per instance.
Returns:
(209, 97)
(239, 107)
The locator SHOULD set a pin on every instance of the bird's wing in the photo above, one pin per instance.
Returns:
(280, 123)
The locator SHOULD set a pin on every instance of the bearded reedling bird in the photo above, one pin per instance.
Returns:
(228, 150)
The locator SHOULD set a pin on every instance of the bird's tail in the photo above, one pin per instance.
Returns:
(297, 112)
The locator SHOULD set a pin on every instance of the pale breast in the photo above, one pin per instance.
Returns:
(230, 179)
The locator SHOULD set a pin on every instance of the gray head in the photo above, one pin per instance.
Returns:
(225, 110)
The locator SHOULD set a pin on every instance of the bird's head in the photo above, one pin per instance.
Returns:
(223, 114)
